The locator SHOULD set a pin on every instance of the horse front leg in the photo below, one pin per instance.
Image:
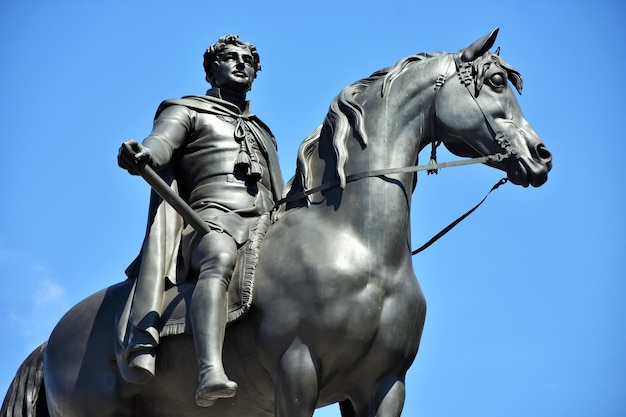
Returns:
(389, 400)
(386, 401)
(296, 386)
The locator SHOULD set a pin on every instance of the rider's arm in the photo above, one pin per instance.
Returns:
(169, 133)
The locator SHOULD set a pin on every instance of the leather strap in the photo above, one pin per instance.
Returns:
(457, 221)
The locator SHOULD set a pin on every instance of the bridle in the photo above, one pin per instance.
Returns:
(464, 72)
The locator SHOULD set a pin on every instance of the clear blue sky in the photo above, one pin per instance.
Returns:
(526, 313)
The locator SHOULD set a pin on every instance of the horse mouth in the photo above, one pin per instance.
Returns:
(522, 173)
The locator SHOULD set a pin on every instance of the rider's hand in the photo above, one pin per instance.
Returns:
(131, 153)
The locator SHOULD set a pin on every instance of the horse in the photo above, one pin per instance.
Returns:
(338, 311)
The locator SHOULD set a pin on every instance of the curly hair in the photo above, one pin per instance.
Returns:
(214, 51)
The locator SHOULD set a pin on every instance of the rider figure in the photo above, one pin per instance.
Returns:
(223, 161)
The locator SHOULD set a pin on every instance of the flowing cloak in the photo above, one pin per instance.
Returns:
(159, 262)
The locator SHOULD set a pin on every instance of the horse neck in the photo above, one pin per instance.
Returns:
(398, 122)
(397, 126)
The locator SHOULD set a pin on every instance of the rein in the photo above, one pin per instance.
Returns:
(389, 171)
(459, 219)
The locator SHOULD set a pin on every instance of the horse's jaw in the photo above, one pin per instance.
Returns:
(528, 161)
(527, 172)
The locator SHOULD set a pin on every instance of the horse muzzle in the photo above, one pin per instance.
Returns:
(531, 167)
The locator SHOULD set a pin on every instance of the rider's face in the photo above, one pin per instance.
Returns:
(234, 69)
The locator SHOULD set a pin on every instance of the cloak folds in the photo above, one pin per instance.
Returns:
(159, 263)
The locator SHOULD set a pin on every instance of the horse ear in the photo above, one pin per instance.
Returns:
(479, 47)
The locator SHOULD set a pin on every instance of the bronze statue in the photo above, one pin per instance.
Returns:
(224, 162)
(338, 312)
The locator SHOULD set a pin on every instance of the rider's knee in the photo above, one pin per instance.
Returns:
(217, 254)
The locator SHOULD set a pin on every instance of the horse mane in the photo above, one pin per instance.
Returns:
(345, 116)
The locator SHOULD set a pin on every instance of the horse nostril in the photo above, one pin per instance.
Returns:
(543, 153)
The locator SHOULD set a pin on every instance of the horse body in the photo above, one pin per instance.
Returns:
(338, 312)
(353, 312)
(82, 378)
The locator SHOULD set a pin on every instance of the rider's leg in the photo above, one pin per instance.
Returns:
(214, 256)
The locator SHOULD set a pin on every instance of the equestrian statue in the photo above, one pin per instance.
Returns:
(250, 301)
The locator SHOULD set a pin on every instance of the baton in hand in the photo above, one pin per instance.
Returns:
(164, 190)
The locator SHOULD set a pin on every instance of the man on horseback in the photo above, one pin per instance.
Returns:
(222, 160)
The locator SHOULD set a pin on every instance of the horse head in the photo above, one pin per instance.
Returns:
(478, 114)
(462, 100)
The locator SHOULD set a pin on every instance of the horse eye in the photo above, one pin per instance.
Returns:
(497, 80)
